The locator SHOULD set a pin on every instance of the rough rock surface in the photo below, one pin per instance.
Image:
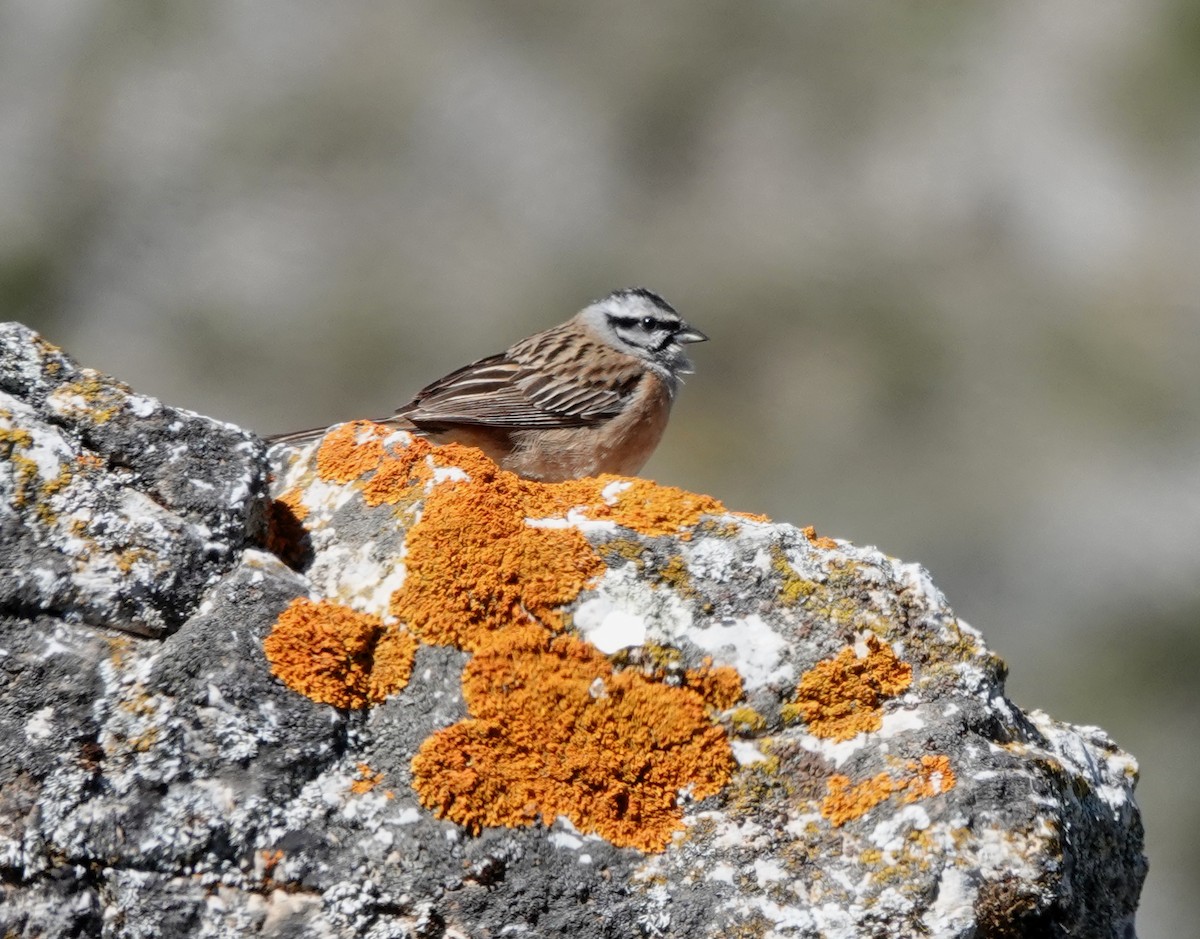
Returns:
(117, 510)
(434, 700)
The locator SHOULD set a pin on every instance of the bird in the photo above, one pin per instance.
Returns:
(584, 398)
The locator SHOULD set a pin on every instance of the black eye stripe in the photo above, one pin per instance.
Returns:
(633, 322)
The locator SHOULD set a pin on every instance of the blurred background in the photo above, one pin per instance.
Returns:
(948, 254)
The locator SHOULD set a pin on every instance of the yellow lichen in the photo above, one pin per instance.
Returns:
(624, 549)
(793, 588)
(13, 441)
(335, 655)
(846, 800)
(746, 720)
(14, 436)
(841, 697)
(676, 575)
(712, 528)
(101, 399)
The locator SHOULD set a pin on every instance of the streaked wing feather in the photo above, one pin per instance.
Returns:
(501, 391)
(588, 403)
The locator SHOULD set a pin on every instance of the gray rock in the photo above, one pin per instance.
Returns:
(117, 510)
(741, 729)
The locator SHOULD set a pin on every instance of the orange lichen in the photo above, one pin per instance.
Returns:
(721, 687)
(396, 478)
(285, 527)
(337, 656)
(366, 780)
(353, 450)
(350, 451)
(933, 777)
(555, 731)
(401, 474)
(293, 501)
(660, 510)
(640, 504)
(846, 801)
(268, 860)
(829, 544)
(391, 663)
(554, 728)
(470, 460)
(475, 566)
(841, 697)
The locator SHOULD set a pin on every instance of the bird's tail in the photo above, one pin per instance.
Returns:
(300, 438)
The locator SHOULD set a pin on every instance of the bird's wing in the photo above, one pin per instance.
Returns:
(504, 391)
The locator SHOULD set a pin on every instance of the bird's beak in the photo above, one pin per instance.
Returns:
(688, 333)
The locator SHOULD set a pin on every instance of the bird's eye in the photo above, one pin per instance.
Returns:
(648, 323)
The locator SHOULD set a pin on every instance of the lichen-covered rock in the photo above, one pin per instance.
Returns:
(115, 510)
(434, 699)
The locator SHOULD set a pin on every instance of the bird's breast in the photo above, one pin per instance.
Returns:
(620, 444)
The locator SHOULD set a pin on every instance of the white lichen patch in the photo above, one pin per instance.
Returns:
(917, 579)
(357, 576)
(40, 724)
(565, 840)
(623, 599)
(890, 833)
(240, 734)
(748, 644)
(788, 919)
(953, 908)
(893, 724)
(714, 558)
(609, 628)
(143, 406)
(575, 518)
(807, 564)
(746, 752)
(445, 474)
(611, 493)
(721, 873)
(322, 500)
(768, 871)
(1089, 754)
